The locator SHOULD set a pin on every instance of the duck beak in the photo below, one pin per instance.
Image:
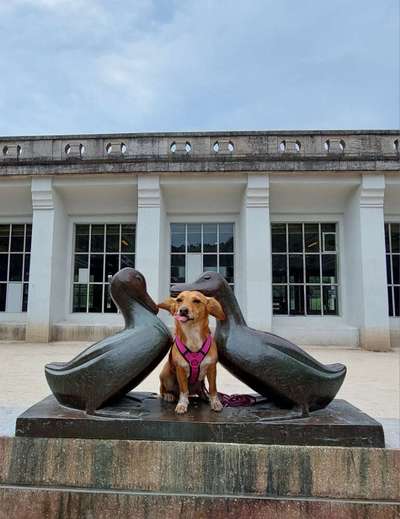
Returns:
(147, 301)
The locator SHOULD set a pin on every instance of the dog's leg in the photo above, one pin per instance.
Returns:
(212, 383)
(183, 402)
(168, 384)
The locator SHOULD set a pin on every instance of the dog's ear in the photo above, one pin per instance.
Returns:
(169, 304)
(215, 309)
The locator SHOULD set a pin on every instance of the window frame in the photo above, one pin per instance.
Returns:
(391, 286)
(100, 220)
(338, 253)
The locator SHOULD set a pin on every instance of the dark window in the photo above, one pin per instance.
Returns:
(100, 251)
(392, 241)
(15, 247)
(304, 269)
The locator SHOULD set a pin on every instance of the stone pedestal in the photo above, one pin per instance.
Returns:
(82, 478)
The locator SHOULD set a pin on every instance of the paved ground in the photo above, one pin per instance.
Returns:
(372, 383)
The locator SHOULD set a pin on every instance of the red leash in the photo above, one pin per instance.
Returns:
(235, 400)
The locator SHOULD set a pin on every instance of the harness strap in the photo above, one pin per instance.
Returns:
(194, 358)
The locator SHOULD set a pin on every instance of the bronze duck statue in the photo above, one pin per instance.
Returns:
(115, 365)
(271, 365)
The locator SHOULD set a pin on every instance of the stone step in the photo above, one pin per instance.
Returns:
(71, 503)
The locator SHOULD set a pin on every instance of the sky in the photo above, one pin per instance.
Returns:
(102, 66)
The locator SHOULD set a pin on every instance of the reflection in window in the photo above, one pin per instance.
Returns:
(304, 269)
(198, 247)
(100, 251)
(392, 240)
(15, 248)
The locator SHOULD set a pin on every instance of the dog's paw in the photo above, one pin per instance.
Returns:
(181, 408)
(168, 397)
(216, 405)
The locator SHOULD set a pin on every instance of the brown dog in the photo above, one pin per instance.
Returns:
(193, 355)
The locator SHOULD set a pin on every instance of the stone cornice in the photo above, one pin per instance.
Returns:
(201, 152)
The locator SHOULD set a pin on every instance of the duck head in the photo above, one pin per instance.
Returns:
(211, 284)
(129, 284)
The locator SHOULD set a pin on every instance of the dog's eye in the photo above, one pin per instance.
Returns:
(179, 300)
(197, 301)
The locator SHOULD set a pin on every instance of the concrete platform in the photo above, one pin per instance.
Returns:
(76, 478)
(145, 416)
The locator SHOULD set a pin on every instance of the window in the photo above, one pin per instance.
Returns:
(392, 239)
(197, 247)
(100, 251)
(304, 269)
(15, 248)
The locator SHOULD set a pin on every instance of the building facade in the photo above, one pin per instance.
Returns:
(305, 227)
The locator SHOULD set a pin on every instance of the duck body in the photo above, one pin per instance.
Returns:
(112, 367)
(271, 365)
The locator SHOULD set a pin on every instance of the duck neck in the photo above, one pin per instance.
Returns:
(134, 313)
(231, 308)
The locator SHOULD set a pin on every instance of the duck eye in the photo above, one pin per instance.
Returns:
(207, 277)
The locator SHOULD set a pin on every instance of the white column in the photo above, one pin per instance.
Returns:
(48, 261)
(150, 257)
(256, 252)
(366, 264)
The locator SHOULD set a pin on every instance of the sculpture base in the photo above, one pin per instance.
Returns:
(144, 416)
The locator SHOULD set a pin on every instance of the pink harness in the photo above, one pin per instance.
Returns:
(194, 358)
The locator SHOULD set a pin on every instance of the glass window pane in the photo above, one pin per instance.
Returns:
(312, 268)
(225, 237)
(97, 239)
(28, 237)
(178, 237)
(295, 237)
(112, 239)
(396, 269)
(226, 267)
(127, 260)
(82, 238)
(210, 237)
(313, 297)
(3, 267)
(81, 268)
(279, 297)
(329, 242)
(279, 268)
(17, 238)
(387, 241)
(296, 302)
(210, 262)
(79, 298)
(3, 297)
(390, 301)
(96, 267)
(109, 305)
(388, 269)
(395, 232)
(25, 294)
(15, 267)
(95, 298)
(329, 268)
(296, 274)
(4, 237)
(178, 268)
(127, 238)
(27, 266)
(328, 227)
(311, 237)
(112, 265)
(194, 237)
(396, 291)
(330, 297)
(278, 236)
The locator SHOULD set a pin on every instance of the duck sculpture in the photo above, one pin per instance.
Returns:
(112, 367)
(271, 365)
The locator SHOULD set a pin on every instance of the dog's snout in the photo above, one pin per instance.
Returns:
(183, 310)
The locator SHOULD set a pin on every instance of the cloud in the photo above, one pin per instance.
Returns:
(99, 66)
